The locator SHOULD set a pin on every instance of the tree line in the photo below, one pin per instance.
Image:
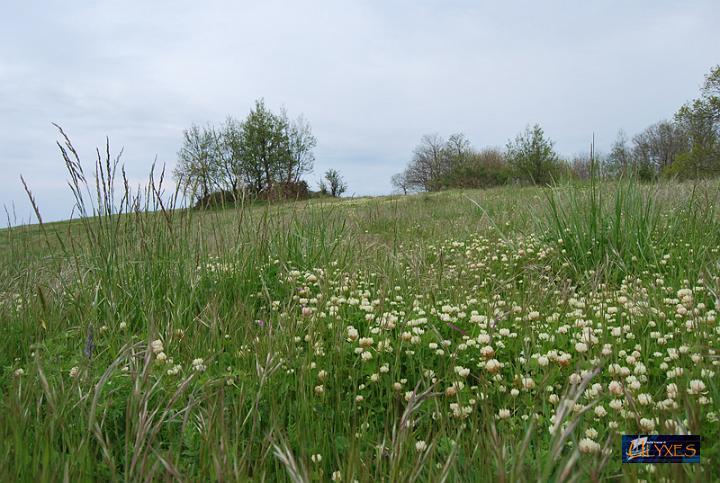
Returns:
(687, 146)
(265, 155)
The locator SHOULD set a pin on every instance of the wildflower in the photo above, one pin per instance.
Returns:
(336, 476)
(161, 357)
(487, 351)
(503, 414)
(319, 389)
(420, 446)
(528, 383)
(74, 372)
(581, 347)
(462, 371)
(19, 372)
(587, 446)
(157, 346)
(199, 365)
(696, 386)
(600, 411)
(615, 388)
(647, 424)
(493, 365)
(316, 458)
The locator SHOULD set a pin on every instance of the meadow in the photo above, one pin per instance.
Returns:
(509, 334)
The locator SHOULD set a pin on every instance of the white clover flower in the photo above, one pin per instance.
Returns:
(74, 372)
(462, 371)
(493, 365)
(528, 383)
(587, 446)
(503, 414)
(696, 386)
(600, 411)
(199, 365)
(157, 346)
(581, 347)
(319, 389)
(647, 424)
(420, 446)
(316, 458)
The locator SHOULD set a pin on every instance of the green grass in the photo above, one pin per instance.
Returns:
(270, 298)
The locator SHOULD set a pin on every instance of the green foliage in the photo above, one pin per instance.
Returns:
(251, 308)
(334, 184)
(622, 229)
(532, 157)
(264, 156)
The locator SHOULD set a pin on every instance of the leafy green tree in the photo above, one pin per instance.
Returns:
(334, 184)
(532, 156)
(700, 119)
(264, 147)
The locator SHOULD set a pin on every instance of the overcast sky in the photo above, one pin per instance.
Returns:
(371, 77)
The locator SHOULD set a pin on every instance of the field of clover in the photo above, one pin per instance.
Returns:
(511, 334)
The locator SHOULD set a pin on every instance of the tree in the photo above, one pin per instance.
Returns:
(700, 120)
(427, 163)
(265, 148)
(227, 144)
(197, 167)
(301, 143)
(399, 182)
(335, 186)
(532, 156)
(657, 147)
(619, 160)
(456, 151)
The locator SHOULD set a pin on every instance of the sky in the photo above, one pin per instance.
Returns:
(371, 77)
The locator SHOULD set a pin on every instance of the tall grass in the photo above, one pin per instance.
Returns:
(250, 291)
(622, 228)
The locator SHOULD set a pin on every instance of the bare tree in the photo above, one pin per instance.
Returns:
(400, 183)
(657, 147)
(197, 167)
(427, 163)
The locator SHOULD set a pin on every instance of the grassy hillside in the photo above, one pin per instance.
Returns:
(506, 334)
